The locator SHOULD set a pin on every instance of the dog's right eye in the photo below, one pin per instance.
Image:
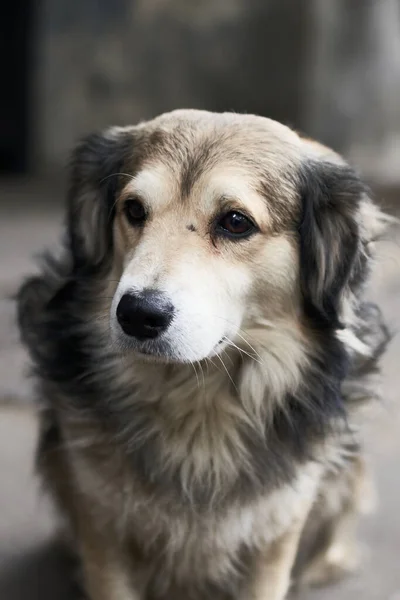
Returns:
(134, 211)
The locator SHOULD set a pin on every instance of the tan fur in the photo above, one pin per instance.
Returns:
(272, 570)
(135, 542)
(341, 500)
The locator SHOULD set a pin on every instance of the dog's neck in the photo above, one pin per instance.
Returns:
(212, 429)
(205, 418)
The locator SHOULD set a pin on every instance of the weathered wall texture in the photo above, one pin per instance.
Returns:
(330, 67)
(353, 84)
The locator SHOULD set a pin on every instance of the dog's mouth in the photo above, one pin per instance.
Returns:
(159, 351)
(162, 351)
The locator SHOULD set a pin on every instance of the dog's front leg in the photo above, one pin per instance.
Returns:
(109, 571)
(270, 577)
(107, 576)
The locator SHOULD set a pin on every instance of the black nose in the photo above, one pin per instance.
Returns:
(144, 315)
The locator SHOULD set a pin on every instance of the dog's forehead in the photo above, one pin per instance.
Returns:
(188, 149)
(159, 186)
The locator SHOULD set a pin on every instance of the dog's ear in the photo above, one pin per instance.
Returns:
(95, 165)
(330, 244)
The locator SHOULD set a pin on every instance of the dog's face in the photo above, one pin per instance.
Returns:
(200, 258)
(211, 224)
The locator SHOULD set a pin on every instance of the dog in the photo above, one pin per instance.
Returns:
(203, 349)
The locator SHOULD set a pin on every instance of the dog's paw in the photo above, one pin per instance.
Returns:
(337, 562)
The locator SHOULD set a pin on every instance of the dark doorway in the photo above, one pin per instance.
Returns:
(16, 60)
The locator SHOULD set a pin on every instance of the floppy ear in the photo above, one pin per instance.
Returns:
(95, 165)
(330, 245)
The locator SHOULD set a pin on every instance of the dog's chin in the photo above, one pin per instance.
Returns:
(155, 355)
(171, 355)
(147, 351)
(162, 351)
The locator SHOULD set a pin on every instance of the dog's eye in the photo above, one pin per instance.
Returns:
(234, 224)
(134, 211)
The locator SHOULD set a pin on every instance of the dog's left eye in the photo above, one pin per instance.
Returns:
(236, 225)
(134, 211)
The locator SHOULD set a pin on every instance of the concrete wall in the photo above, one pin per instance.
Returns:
(353, 82)
(329, 67)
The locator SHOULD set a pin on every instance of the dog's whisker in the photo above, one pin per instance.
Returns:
(224, 351)
(202, 373)
(250, 346)
(233, 345)
(195, 371)
(227, 371)
(210, 360)
(117, 175)
(241, 335)
(78, 277)
(110, 212)
(201, 370)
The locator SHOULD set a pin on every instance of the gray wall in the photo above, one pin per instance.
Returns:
(328, 67)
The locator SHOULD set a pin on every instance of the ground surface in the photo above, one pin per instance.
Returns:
(31, 567)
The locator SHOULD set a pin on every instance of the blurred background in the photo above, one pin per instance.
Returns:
(330, 68)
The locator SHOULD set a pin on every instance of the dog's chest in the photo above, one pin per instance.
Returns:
(201, 544)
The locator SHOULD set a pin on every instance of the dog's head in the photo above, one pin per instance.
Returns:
(209, 224)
